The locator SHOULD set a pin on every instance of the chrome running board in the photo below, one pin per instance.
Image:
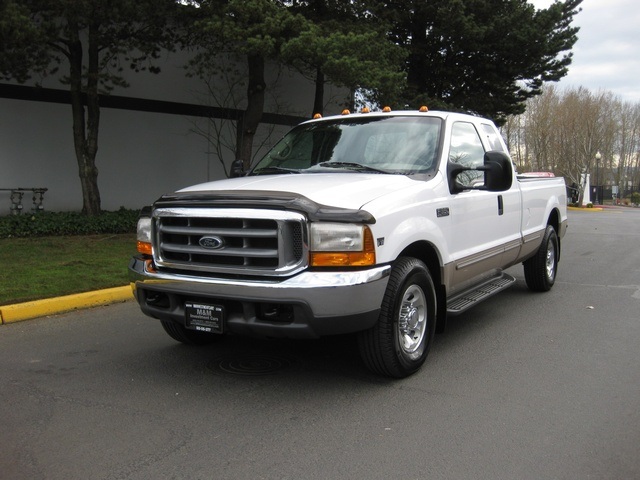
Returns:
(462, 302)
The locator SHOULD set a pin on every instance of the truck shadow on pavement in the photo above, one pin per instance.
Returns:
(336, 357)
(254, 358)
(494, 314)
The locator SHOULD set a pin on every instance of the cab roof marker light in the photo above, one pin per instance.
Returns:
(317, 116)
(365, 110)
(386, 109)
(346, 112)
(423, 109)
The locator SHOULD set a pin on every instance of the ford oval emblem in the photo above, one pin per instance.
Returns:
(212, 243)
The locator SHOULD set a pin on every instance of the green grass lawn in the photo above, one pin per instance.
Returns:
(44, 267)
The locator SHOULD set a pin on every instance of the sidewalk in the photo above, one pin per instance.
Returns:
(52, 306)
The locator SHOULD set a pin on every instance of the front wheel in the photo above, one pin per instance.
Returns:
(399, 343)
(541, 269)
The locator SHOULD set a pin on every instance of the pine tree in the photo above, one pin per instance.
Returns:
(484, 56)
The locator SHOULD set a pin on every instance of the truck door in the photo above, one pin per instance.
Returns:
(483, 224)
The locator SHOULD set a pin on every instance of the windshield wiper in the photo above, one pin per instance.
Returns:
(352, 166)
(268, 170)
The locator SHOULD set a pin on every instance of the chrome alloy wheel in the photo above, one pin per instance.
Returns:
(412, 319)
(551, 261)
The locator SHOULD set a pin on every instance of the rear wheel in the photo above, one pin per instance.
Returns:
(399, 343)
(190, 337)
(541, 269)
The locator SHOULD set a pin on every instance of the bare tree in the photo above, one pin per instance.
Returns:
(563, 130)
(225, 90)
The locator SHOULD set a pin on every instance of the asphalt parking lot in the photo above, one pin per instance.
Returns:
(524, 386)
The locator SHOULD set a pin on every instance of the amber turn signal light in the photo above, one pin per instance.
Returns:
(144, 248)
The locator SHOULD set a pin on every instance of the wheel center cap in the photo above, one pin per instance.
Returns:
(412, 317)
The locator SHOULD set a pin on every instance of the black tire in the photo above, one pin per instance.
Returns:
(190, 337)
(540, 271)
(399, 343)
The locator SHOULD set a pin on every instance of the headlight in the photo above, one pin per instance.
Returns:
(341, 244)
(144, 235)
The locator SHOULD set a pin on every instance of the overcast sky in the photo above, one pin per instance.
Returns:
(607, 53)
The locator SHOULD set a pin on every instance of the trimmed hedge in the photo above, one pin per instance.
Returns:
(45, 224)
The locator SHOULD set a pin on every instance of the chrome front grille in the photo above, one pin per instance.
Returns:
(248, 242)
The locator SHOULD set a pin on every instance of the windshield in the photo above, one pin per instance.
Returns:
(393, 145)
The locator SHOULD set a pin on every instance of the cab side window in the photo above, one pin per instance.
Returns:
(467, 150)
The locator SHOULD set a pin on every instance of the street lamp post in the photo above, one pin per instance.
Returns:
(598, 157)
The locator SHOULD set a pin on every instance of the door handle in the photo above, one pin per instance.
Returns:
(500, 205)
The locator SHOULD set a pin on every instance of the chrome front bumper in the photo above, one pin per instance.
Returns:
(307, 305)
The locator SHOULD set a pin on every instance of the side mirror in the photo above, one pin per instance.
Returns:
(237, 168)
(498, 173)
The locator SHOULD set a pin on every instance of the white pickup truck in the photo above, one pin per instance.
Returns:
(376, 223)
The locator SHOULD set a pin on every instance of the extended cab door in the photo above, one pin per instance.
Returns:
(484, 225)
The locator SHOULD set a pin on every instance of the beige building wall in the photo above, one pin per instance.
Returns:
(142, 154)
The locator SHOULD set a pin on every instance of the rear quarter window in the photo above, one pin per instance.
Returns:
(493, 137)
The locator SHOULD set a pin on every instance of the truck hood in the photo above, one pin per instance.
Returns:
(345, 190)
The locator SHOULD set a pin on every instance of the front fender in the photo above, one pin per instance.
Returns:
(397, 236)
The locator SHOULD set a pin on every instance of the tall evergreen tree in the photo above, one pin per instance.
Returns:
(485, 56)
(253, 30)
(347, 45)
